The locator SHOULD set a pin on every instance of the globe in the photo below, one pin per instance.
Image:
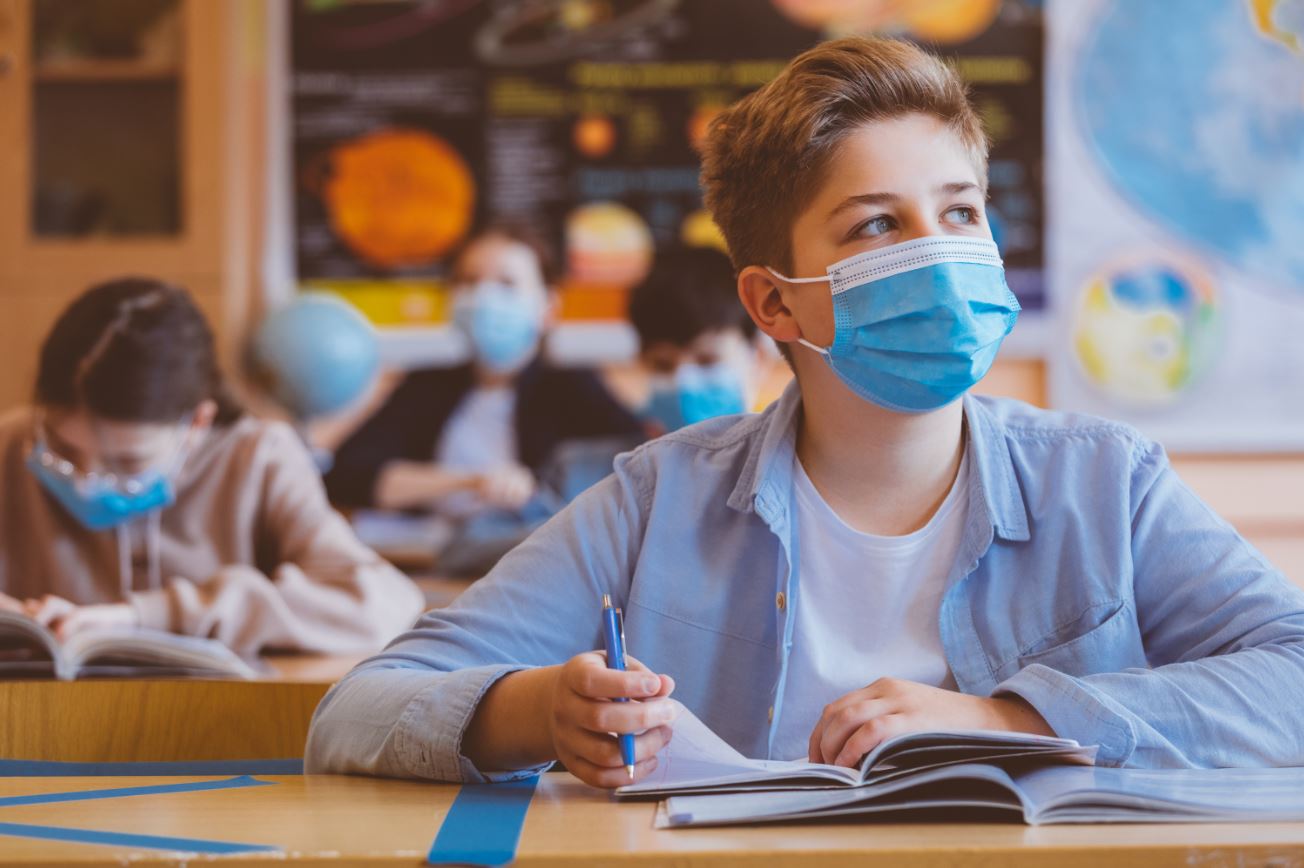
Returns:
(315, 355)
(1145, 333)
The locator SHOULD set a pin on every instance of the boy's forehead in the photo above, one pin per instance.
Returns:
(908, 157)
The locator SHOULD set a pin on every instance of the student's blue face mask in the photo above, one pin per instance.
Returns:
(917, 324)
(697, 393)
(503, 328)
(101, 501)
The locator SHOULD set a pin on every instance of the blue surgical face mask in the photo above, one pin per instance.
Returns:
(696, 393)
(503, 328)
(917, 324)
(101, 501)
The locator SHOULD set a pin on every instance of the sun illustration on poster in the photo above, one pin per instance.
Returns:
(398, 198)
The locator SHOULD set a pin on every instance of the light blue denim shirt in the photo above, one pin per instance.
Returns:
(1090, 581)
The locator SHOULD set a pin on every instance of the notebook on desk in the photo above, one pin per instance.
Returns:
(29, 650)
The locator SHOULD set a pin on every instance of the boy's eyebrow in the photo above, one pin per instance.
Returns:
(950, 189)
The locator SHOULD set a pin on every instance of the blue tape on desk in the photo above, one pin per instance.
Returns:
(120, 792)
(10, 768)
(124, 839)
(483, 825)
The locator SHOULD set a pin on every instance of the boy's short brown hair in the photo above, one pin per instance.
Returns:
(766, 155)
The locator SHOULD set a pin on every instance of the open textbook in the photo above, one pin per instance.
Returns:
(1026, 777)
(29, 650)
(699, 761)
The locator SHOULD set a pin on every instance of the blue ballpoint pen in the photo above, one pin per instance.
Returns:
(614, 633)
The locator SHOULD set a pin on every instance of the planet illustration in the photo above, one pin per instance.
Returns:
(1145, 333)
(607, 244)
(530, 32)
(699, 230)
(594, 136)
(940, 21)
(398, 198)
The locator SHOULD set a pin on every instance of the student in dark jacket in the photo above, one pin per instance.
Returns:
(463, 439)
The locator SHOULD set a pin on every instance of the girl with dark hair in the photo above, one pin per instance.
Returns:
(136, 492)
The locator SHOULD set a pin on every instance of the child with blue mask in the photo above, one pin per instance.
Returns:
(880, 551)
(139, 494)
(470, 439)
(697, 345)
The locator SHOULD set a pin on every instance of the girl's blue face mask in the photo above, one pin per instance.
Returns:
(695, 394)
(504, 328)
(917, 324)
(101, 501)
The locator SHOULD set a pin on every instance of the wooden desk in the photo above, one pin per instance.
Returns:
(131, 720)
(340, 820)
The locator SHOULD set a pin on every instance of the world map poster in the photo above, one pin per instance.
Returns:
(1176, 203)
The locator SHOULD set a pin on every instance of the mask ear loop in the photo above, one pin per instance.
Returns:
(823, 351)
(153, 543)
(124, 560)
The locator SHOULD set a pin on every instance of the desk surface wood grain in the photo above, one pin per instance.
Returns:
(359, 821)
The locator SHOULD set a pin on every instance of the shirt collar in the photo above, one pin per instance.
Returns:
(766, 479)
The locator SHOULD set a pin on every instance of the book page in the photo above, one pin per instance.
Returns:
(29, 649)
(696, 757)
(120, 651)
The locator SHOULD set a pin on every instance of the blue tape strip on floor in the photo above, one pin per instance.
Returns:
(483, 825)
(10, 768)
(123, 839)
(119, 792)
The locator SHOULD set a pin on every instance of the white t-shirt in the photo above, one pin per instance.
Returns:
(867, 608)
(480, 435)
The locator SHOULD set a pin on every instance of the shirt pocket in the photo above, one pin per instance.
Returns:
(1105, 638)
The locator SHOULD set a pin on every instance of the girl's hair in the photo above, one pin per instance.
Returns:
(133, 350)
(522, 233)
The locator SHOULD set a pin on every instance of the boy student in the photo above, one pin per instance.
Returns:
(876, 553)
(695, 341)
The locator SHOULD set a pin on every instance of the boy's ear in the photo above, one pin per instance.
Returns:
(762, 295)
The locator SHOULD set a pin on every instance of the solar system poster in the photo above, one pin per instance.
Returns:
(414, 122)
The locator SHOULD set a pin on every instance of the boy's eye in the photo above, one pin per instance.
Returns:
(879, 225)
(962, 214)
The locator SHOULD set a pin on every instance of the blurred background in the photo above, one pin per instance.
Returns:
(1147, 183)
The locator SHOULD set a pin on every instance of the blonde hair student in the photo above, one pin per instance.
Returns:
(137, 493)
(879, 551)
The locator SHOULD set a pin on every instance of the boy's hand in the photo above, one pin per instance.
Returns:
(582, 718)
(855, 724)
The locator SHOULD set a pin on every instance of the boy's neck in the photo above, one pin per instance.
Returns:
(882, 472)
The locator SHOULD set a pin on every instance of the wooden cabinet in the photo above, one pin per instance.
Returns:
(120, 127)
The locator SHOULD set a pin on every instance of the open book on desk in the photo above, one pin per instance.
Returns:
(30, 650)
(1038, 795)
(699, 761)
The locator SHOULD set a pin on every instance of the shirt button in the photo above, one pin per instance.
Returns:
(769, 715)
(781, 601)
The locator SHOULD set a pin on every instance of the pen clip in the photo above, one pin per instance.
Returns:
(620, 623)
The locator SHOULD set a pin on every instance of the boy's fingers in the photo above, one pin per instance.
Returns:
(599, 682)
(606, 778)
(603, 750)
(625, 716)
